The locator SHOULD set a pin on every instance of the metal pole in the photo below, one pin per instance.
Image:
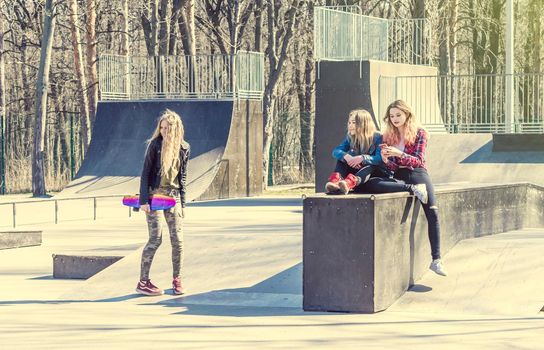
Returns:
(56, 212)
(14, 214)
(509, 101)
(94, 205)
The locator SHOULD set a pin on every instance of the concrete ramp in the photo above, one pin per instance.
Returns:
(220, 166)
(470, 158)
(496, 275)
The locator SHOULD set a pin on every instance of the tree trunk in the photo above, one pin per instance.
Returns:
(536, 34)
(80, 76)
(495, 35)
(234, 24)
(92, 58)
(277, 54)
(177, 7)
(2, 112)
(38, 171)
(27, 99)
(164, 27)
(187, 30)
(418, 30)
(187, 27)
(258, 25)
(125, 46)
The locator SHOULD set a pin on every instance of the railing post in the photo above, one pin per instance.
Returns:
(94, 205)
(56, 212)
(14, 215)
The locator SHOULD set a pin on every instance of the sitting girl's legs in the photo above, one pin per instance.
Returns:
(420, 176)
(341, 171)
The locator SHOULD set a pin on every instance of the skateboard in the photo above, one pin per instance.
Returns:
(158, 202)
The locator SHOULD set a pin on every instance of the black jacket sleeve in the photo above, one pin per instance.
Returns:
(150, 155)
(182, 176)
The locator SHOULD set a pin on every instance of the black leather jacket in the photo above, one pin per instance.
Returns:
(151, 173)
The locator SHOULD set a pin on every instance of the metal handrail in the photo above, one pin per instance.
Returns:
(55, 202)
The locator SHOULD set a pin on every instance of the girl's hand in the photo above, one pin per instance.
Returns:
(145, 208)
(355, 161)
(385, 154)
(394, 152)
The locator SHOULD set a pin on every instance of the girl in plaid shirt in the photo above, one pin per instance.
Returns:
(403, 152)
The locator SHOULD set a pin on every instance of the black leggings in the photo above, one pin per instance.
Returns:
(365, 173)
(400, 183)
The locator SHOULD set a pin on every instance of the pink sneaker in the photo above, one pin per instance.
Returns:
(148, 288)
(177, 288)
(348, 183)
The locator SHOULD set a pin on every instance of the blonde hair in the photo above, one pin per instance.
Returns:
(173, 141)
(364, 130)
(391, 135)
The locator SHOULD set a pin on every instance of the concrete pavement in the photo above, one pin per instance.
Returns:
(243, 274)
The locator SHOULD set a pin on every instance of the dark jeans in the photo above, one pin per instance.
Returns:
(365, 173)
(400, 183)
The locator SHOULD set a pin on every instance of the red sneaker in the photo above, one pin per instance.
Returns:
(332, 185)
(148, 288)
(177, 288)
(348, 183)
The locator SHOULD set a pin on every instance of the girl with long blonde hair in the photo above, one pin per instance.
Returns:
(357, 157)
(164, 172)
(404, 154)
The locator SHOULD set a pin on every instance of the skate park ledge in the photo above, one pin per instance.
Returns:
(80, 266)
(361, 252)
(19, 239)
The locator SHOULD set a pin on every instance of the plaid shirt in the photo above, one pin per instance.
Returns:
(414, 154)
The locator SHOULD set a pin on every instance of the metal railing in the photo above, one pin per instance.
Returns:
(32, 212)
(174, 77)
(342, 33)
(468, 103)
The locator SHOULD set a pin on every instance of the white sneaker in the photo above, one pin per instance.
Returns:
(420, 191)
(438, 267)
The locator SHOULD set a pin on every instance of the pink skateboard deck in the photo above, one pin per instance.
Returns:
(158, 202)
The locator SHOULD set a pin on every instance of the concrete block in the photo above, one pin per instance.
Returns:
(362, 252)
(80, 266)
(518, 142)
(18, 239)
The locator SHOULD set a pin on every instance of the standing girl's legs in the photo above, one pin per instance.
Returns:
(173, 219)
(155, 240)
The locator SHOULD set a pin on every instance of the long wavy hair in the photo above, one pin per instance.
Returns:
(364, 130)
(391, 135)
(173, 141)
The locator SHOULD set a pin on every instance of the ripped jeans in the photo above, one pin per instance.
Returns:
(173, 220)
(405, 176)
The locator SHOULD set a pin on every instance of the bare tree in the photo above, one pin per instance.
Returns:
(280, 21)
(187, 26)
(38, 171)
(80, 74)
(2, 111)
(92, 58)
